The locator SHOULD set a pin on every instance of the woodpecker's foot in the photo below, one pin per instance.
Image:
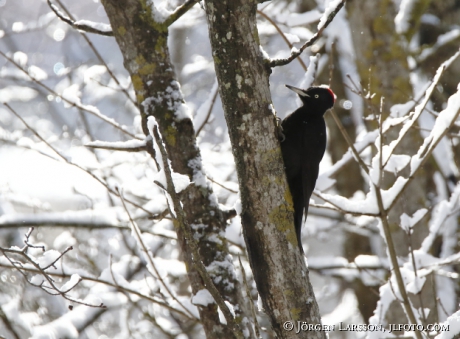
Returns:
(279, 129)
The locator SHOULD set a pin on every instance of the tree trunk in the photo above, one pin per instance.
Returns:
(143, 43)
(267, 211)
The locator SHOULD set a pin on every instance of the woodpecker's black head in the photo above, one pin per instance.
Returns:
(317, 99)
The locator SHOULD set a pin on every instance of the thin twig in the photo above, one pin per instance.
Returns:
(283, 36)
(251, 302)
(52, 289)
(148, 256)
(96, 280)
(285, 61)
(98, 55)
(71, 103)
(386, 228)
(349, 141)
(208, 114)
(416, 281)
(111, 190)
(394, 259)
(221, 185)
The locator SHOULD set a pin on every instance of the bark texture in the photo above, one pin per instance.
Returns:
(143, 43)
(267, 211)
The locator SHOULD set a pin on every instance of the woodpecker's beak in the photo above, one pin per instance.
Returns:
(299, 91)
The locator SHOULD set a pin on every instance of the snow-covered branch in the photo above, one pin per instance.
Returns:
(43, 280)
(123, 146)
(328, 15)
(82, 25)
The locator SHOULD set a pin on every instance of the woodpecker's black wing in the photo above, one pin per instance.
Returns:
(304, 146)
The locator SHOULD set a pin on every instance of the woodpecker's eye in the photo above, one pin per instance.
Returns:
(316, 96)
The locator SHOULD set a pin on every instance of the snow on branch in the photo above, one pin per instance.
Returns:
(325, 180)
(443, 122)
(442, 40)
(389, 149)
(186, 230)
(402, 19)
(442, 211)
(368, 206)
(331, 11)
(74, 101)
(148, 256)
(86, 219)
(332, 8)
(21, 259)
(161, 15)
(83, 25)
(125, 146)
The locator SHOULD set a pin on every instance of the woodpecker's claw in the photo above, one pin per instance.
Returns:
(279, 130)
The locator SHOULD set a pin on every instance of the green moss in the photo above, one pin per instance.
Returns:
(140, 60)
(289, 201)
(170, 135)
(140, 98)
(138, 84)
(147, 18)
(281, 217)
(296, 312)
(160, 44)
(122, 30)
(216, 60)
(147, 69)
(289, 293)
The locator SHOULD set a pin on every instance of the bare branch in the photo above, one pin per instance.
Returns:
(280, 32)
(52, 289)
(211, 106)
(102, 182)
(223, 186)
(148, 255)
(104, 282)
(99, 57)
(89, 109)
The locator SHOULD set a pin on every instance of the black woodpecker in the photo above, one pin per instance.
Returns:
(303, 147)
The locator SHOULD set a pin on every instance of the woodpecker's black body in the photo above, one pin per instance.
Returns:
(303, 147)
